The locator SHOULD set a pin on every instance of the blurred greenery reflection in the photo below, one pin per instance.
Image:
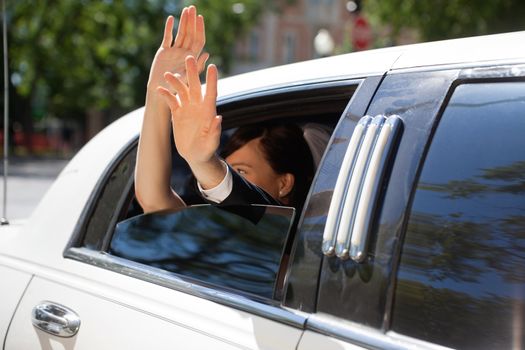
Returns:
(234, 247)
(462, 269)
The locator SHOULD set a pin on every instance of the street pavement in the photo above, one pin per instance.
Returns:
(28, 181)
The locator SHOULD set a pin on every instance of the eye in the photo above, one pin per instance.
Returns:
(241, 171)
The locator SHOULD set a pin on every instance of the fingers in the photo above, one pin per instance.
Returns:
(215, 125)
(191, 33)
(181, 31)
(192, 75)
(201, 62)
(211, 82)
(170, 98)
(200, 36)
(168, 32)
(175, 81)
(190, 28)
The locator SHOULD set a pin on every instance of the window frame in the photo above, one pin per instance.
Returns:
(301, 288)
(344, 285)
(271, 309)
(79, 231)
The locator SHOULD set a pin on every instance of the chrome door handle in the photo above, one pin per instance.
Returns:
(55, 319)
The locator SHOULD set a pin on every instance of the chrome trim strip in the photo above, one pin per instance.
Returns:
(363, 336)
(328, 245)
(368, 196)
(354, 188)
(460, 66)
(170, 280)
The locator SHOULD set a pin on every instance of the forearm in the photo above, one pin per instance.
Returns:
(210, 173)
(153, 168)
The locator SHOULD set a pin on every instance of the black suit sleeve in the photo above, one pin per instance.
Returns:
(243, 193)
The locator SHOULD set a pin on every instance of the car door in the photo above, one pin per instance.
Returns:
(350, 301)
(123, 302)
(445, 284)
(114, 306)
(460, 281)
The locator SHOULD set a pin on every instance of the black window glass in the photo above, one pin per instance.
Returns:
(238, 248)
(461, 279)
(109, 199)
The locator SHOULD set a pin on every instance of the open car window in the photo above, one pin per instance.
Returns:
(113, 203)
(238, 248)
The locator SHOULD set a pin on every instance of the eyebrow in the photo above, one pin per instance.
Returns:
(240, 163)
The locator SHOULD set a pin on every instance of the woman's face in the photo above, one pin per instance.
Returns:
(250, 162)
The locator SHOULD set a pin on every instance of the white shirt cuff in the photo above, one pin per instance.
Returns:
(220, 192)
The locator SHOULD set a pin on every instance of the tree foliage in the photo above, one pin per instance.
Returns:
(443, 19)
(70, 56)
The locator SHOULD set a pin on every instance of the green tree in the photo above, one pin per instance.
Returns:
(69, 57)
(72, 58)
(443, 19)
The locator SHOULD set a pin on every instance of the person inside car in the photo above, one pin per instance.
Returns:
(263, 165)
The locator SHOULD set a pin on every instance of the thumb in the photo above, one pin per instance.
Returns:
(170, 98)
(201, 62)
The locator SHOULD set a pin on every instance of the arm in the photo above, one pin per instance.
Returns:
(153, 169)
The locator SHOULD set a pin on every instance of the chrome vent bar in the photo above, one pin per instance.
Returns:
(357, 187)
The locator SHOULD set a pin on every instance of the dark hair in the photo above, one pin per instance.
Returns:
(286, 151)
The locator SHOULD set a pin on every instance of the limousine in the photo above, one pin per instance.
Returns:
(412, 234)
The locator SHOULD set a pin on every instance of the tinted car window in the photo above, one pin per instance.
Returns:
(235, 247)
(461, 279)
(108, 199)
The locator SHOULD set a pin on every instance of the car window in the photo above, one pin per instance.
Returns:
(235, 247)
(112, 196)
(461, 277)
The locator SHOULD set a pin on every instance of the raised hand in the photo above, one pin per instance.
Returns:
(171, 54)
(196, 126)
(153, 169)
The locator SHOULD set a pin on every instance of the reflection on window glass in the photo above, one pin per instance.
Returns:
(461, 280)
(233, 247)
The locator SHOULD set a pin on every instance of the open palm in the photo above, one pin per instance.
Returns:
(196, 126)
(171, 54)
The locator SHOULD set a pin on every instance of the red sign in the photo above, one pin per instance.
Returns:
(361, 34)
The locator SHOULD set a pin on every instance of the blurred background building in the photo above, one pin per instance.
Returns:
(290, 35)
(68, 79)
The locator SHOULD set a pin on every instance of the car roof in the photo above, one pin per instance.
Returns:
(465, 51)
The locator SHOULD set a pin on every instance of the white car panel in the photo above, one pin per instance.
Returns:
(46, 233)
(355, 65)
(104, 325)
(314, 341)
(476, 49)
(150, 300)
(13, 286)
(379, 61)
